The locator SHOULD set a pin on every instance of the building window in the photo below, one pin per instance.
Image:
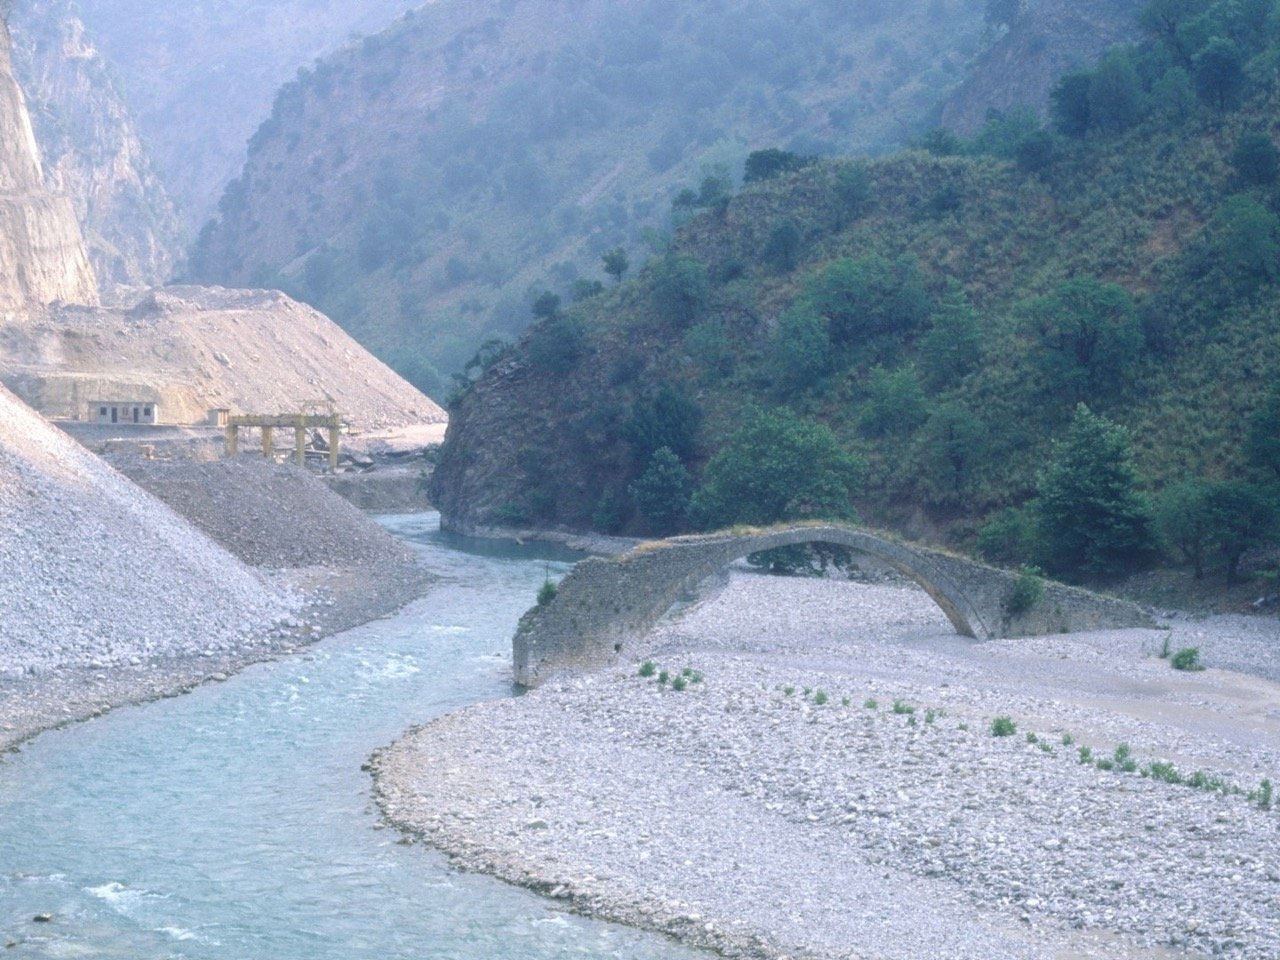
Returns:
(146, 411)
(102, 411)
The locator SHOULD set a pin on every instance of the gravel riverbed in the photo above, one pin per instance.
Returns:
(830, 785)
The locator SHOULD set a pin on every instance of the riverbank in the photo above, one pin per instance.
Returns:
(322, 565)
(330, 601)
(830, 785)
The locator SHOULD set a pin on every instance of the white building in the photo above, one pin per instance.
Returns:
(117, 411)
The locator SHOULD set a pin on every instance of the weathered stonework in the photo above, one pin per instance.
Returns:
(604, 605)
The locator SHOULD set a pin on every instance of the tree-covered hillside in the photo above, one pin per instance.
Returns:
(970, 321)
(418, 186)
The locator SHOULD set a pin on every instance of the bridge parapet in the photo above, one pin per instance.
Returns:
(605, 605)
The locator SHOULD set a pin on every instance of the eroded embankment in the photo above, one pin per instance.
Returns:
(831, 786)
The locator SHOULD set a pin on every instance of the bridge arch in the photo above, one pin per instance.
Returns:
(606, 604)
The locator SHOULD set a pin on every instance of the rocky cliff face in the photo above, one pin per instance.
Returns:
(91, 149)
(42, 254)
(201, 77)
(1050, 39)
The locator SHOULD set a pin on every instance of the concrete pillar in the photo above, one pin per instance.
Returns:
(268, 449)
(233, 440)
(335, 436)
(300, 442)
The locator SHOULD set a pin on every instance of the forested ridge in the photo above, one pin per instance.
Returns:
(982, 338)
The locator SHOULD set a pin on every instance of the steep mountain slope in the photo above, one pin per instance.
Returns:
(941, 311)
(42, 255)
(200, 77)
(1044, 42)
(416, 186)
(91, 149)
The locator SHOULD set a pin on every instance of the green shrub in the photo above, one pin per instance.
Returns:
(648, 668)
(1207, 782)
(662, 493)
(871, 703)
(1123, 759)
(1164, 771)
(1188, 658)
(546, 593)
(1028, 590)
(1003, 727)
(1262, 796)
(903, 708)
(1093, 517)
(679, 683)
(820, 698)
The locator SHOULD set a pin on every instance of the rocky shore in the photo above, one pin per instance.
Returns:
(823, 780)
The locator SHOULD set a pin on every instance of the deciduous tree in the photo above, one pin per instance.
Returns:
(778, 466)
(1094, 520)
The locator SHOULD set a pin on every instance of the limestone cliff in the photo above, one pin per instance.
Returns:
(91, 149)
(1050, 39)
(201, 77)
(42, 255)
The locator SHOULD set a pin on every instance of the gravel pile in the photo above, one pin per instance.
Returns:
(267, 514)
(193, 349)
(283, 519)
(94, 572)
(108, 596)
(830, 785)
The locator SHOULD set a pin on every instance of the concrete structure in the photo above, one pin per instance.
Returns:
(604, 605)
(299, 423)
(124, 411)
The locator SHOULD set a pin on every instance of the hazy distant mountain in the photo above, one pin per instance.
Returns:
(417, 186)
(200, 76)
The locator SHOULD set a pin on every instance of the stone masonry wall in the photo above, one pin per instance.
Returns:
(604, 605)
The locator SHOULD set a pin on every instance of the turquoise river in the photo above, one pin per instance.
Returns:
(235, 822)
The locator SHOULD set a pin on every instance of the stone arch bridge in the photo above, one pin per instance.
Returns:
(604, 605)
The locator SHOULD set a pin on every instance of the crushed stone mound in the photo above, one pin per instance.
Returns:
(269, 514)
(93, 571)
(195, 349)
